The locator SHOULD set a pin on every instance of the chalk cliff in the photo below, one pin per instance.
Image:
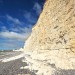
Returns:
(51, 45)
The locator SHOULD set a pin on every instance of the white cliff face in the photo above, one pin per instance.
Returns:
(51, 45)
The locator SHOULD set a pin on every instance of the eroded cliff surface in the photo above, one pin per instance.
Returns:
(52, 40)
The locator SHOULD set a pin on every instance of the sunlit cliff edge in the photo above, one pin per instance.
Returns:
(51, 45)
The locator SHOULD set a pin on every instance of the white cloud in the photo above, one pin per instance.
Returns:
(22, 29)
(26, 29)
(14, 20)
(14, 40)
(14, 35)
(37, 8)
(30, 17)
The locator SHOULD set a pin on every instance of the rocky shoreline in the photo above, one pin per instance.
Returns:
(41, 65)
(14, 67)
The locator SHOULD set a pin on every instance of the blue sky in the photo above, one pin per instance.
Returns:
(17, 17)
